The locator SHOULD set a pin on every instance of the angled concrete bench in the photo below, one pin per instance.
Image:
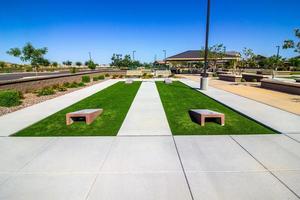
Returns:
(89, 115)
(128, 81)
(199, 116)
(168, 81)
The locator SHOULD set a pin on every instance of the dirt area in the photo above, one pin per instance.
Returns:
(31, 99)
(284, 101)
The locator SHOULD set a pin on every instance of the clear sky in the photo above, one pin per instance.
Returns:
(70, 29)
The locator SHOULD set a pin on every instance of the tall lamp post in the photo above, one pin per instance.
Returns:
(133, 52)
(204, 79)
(277, 59)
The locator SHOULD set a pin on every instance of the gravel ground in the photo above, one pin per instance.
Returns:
(31, 99)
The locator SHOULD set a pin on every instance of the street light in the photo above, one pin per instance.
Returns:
(133, 52)
(204, 79)
(277, 59)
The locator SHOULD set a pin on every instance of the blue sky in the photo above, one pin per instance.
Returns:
(70, 29)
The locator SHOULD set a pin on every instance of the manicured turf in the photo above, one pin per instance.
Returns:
(178, 98)
(115, 100)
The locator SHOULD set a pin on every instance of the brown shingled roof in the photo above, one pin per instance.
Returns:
(200, 54)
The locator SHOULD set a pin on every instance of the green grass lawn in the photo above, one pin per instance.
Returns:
(178, 98)
(115, 100)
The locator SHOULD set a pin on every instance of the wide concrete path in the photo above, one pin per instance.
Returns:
(282, 121)
(21, 119)
(146, 115)
(150, 168)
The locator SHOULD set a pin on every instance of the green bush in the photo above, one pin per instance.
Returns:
(81, 84)
(101, 77)
(107, 75)
(73, 70)
(95, 78)
(46, 91)
(55, 86)
(9, 98)
(115, 76)
(160, 76)
(66, 84)
(61, 88)
(86, 79)
(121, 76)
(73, 85)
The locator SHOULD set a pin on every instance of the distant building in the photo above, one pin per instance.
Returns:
(192, 58)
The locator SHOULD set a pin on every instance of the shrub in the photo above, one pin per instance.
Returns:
(115, 76)
(66, 84)
(243, 80)
(55, 86)
(73, 85)
(9, 98)
(120, 76)
(95, 78)
(254, 80)
(86, 79)
(46, 91)
(61, 88)
(81, 84)
(101, 77)
(160, 76)
(73, 70)
(107, 75)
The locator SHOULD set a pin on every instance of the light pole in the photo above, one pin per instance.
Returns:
(204, 79)
(165, 55)
(133, 52)
(277, 59)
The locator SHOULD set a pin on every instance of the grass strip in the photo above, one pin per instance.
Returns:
(178, 99)
(115, 100)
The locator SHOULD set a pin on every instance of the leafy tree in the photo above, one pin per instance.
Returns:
(30, 54)
(293, 44)
(68, 63)
(78, 64)
(54, 64)
(2, 64)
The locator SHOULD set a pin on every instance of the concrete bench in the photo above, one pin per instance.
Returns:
(292, 88)
(128, 81)
(89, 115)
(230, 77)
(251, 77)
(168, 81)
(199, 116)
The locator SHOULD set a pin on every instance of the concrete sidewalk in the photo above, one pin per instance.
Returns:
(282, 121)
(149, 168)
(146, 115)
(21, 119)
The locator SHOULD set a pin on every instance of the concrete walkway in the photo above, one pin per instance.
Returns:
(146, 115)
(21, 119)
(282, 121)
(149, 168)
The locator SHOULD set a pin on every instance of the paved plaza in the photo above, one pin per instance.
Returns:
(144, 165)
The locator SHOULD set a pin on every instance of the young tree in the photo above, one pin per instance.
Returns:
(249, 58)
(30, 54)
(293, 44)
(91, 65)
